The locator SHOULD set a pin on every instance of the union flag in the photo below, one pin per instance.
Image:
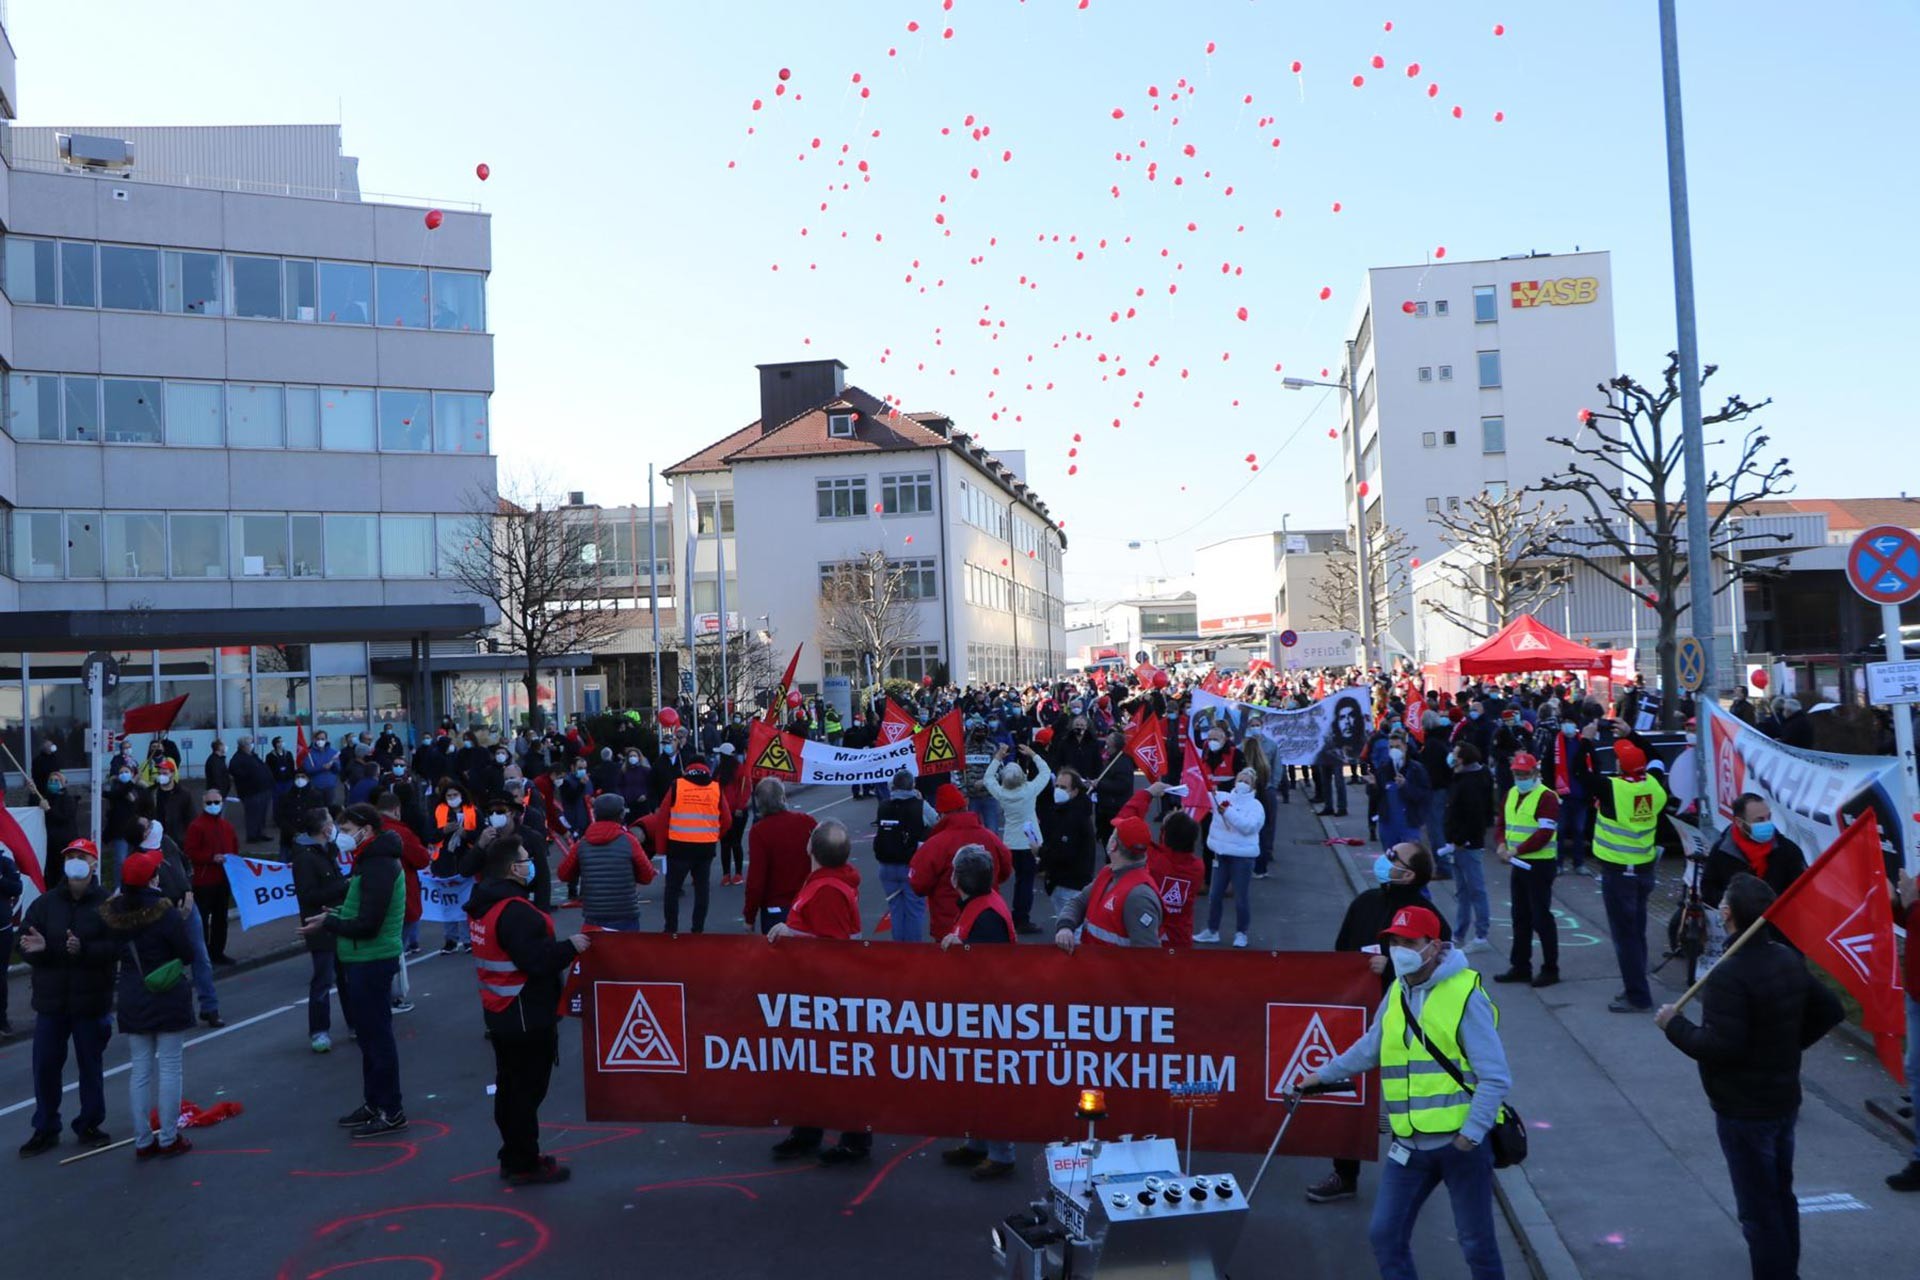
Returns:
(895, 724)
(772, 754)
(1147, 744)
(938, 748)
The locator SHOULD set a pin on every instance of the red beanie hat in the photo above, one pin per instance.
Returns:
(948, 799)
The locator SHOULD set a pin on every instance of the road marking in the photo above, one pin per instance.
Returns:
(831, 804)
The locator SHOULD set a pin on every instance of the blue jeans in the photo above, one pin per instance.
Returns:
(410, 935)
(1238, 872)
(1470, 894)
(454, 931)
(626, 924)
(1404, 1188)
(1625, 891)
(989, 810)
(908, 909)
(1760, 1165)
(999, 1152)
(51, 1031)
(1576, 821)
(116, 854)
(203, 989)
(327, 975)
(1913, 1058)
(367, 986)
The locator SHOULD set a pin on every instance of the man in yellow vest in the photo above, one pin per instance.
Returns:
(1526, 838)
(696, 813)
(1435, 1007)
(1626, 826)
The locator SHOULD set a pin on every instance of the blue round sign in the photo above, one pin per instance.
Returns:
(1883, 564)
(1289, 638)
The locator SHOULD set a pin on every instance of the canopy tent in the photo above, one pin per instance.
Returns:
(1527, 644)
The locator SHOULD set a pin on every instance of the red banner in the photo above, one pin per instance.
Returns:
(941, 746)
(1147, 744)
(988, 1041)
(155, 717)
(895, 724)
(772, 753)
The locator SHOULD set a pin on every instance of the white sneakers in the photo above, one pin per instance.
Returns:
(1207, 935)
(1240, 940)
(1478, 944)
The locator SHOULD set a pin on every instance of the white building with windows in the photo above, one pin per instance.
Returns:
(829, 472)
(1463, 370)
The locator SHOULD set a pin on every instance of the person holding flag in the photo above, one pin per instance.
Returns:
(12, 888)
(1908, 1179)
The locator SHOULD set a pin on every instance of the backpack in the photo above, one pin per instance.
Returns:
(899, 826)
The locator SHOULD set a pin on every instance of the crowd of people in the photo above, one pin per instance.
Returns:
(1044, 829)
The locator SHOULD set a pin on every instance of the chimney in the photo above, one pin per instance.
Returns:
(788, 390)
(576, 497)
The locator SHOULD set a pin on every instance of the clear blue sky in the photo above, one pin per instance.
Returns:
(633, 288)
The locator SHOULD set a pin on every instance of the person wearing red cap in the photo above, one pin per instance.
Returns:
(72, 957)
(1439, 1126)
(1526, 839)
(1121, 908)
(155, 1001)
(930, 873)
(1176, 869)
(1626, 826)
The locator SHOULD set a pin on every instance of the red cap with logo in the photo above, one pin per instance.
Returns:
(138, 871)
(1631, 758)
(1412, 922)
(1134, 835)
(85, 848)
(1524, 762)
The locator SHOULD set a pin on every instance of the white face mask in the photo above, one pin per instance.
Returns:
(1397, 755)
(453, 802)
(344, 842)
(496, 820)
(78, 869)
(300, 781)
(1061, 795)
(151, 840)
(499, 757)
(1406, 961)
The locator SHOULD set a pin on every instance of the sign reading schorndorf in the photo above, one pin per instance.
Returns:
(1893, 683)
(1315, 649)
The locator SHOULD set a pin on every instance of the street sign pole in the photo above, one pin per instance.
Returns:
(97, 756)
(1883, 565)
(1902, 725)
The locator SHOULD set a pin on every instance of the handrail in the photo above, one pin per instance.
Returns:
(245, 186)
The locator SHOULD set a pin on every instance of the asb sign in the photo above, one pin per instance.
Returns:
(1570, 291)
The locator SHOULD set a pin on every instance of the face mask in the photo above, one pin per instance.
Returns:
(579, 773)
(633, 759)
(1761, 831)
(213, 806)
(499, 757)
(1453, 761)
(125, 776)
(166, 780)
(319, 742)
(151, 840)
(399, 771)
(1406, 961)
(1215, 744)
(667, 751)
(1524, 785)
(344, 842)
(79, 869)
(56, 786)
(1570, 730)
(453, 802)
(1473, 715)
(299, 782)
(1397, 755)
(496, 820)
(1383, 869)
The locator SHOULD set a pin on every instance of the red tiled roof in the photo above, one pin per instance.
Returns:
(1847, 514)
(714, 456)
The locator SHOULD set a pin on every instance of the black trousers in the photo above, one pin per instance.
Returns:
(213, 901)
(733, 855)
(542, 879)
(523, 1064)
(1531, 901)
(685, 860)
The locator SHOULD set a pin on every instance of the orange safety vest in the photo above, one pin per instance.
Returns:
(501, 981)
(469, 822)
(695, 818)
(1107, 903)
(977, 907)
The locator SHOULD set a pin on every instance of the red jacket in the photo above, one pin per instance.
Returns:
(1912, 923)
(824, 908)
(1179, 876)
(599, 832)
(413, 859)
(777, 862)
(930, 874)
(209, 835)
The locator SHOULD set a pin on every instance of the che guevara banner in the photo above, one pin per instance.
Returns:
(1292, 736)
(992, 1041)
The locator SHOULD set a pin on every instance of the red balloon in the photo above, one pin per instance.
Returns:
(1415, 562)
(1364, 486)
(1251, 458)
(1074, 470)
(786, 74)
(1433, 91)
(1413, 69)
(434, 219)
(1440, 252)
(793, 698)
(1500, 30)
(1586, 416)
(1210, 46)
(481, 172)
(1457, 113)
(1407, 307)
(926, 680)
(1241, 313)
(1333, 433)
(1325, 293)
(1118, 114)
(1161, 680)
(1499, 117)
(1378, 62)
(1761, 679)
(1336, 206)
(1387, 26)
(1296, 66)
(668, 717)
(1358, 81)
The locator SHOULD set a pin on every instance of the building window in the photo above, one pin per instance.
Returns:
(406, 546)
(129, 278)
(1366, 399)
(1496, 488)
(352, 547)
(1493, 435)
(31, 273)
(1489, 369)
(303, 417)
(136, 545)
(303, 292)
(1420, 310)
(33, 406)
(82, 405)
(255, 417)
(38, 548)
(346, 293)
(1440, 306)
(840, 499)
(1433, 504)
(83, 544)
(259, 546)
(404, 422)
(1449, 438)
(919, 578)
(196, 414)
(1446, 373)
(193, 283)
(308, 551)
(132, 410)
(459, 423)
(459, 301)
(1453, 504)
(909, 495)
(1485, 309)
(346, 419)
(256, 287)
(705, 507)
(79, 286)
(913, 662)
(1428, 439)
(403, 297)
(199, 544)
(1426, 373)
(840, 425)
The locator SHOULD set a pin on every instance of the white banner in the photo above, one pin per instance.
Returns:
(444, 901)
(34, 823)
(824, 763)
(1293, 736)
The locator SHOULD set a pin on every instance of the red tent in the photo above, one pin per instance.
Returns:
(1527, 644)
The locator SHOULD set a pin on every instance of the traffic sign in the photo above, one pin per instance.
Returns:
(1289, 638)
(1883, 564)
(686, 683)
(101, 668)
(1693, 663)
(1893, 683)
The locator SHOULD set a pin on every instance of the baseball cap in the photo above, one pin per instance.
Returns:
(1631, 758)
(1524, 762)
(1134, 834)
(138, 871)
(1412, 922)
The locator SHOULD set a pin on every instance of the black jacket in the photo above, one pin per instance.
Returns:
(1373, 911)
(1113, 791)
(250, 774)
(902, 821)
(63, 822)
(317, 882)
(72, 986)
(1469, 807)
(1760, 1009)
(219, 774)
(1725, 861)
(148, 933)
(1066, 831)
(525, 932)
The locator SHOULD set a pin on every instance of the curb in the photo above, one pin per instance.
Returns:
(1540, 1243)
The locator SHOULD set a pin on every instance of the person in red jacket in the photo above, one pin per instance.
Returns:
(413, 860)
(777, 861)
(930, 874)
(828, 906)
(210, 838)
(1171, 860)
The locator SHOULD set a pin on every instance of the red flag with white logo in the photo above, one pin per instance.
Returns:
(895, 724)
(1147, 744)
(1839, 916)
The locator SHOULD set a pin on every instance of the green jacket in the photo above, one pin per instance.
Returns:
(369, 919)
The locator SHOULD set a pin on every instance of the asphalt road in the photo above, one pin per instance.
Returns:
(280, 1191)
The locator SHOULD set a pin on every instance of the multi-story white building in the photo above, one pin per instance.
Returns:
(1463, 370)
(828, 473)
(1257, 584)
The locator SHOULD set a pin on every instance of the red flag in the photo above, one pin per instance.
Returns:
(941, 746)
(300, 745)
(1147, 744)
(155, 717)
(1416, 715)
(1838, 915)
(1199, 798)
(895, 724)
(14, 837)
(786, 683)
(771, 753)
(1320, 686)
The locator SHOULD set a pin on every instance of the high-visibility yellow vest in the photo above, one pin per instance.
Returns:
(1421, 1096)
(1522, 821)
(695, 818)
(1627, 838)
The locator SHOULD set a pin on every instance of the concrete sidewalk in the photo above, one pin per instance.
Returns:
(1625, 1175)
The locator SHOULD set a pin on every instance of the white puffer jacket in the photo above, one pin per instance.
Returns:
(1237, 819)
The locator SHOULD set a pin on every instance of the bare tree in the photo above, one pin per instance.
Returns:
(751, 668)
(1630, 478)
(1508, 569)
(867, 610)
(541, 568)
(1335, 593)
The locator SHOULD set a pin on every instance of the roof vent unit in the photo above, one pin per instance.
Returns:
(95, 153)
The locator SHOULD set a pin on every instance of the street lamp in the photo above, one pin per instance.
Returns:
(1364, 557)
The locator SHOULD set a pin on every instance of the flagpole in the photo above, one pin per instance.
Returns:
(1737, 943)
